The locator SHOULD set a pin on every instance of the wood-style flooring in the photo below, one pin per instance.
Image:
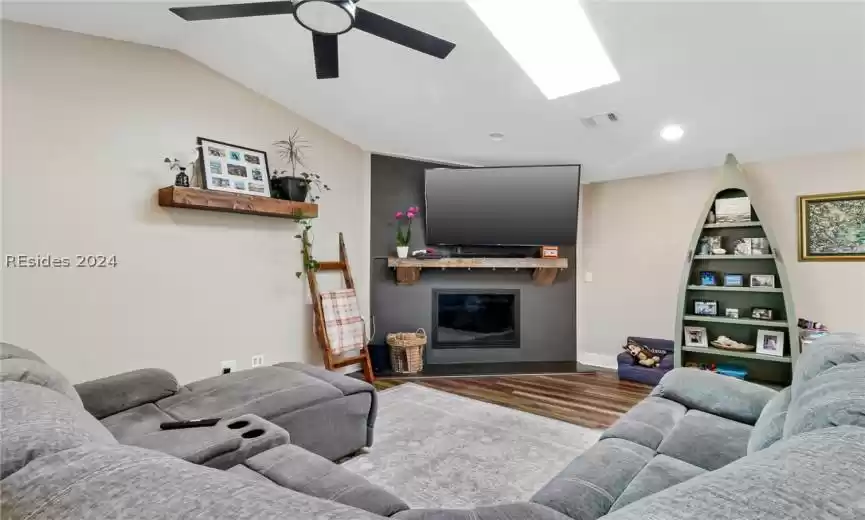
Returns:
(593, 400)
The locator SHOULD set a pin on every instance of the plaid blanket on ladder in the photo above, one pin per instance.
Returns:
(343, 321)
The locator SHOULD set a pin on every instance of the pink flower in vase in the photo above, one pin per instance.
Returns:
(398, 214)
(410, 215)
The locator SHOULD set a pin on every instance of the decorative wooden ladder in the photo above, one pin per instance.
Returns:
(331, 361)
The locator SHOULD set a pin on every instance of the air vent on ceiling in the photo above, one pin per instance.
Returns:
(598, 120)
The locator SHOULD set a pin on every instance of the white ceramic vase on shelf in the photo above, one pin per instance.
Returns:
(402, 251)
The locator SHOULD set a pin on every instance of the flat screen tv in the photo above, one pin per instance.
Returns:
(509, 206)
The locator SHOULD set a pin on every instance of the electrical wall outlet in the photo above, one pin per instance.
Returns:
(257, 360)
(228, 366)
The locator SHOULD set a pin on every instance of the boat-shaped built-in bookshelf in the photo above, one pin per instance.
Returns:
(744, 328)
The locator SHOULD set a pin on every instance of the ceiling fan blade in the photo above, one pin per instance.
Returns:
(326, 48)
(215, 12)
(396, 32)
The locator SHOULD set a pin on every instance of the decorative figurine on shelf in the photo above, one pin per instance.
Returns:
(711, 218)
(182, 179)
(704, 248)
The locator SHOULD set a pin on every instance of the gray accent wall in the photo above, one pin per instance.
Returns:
(547, 314)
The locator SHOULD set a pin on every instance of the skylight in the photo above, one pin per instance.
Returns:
(552, 40)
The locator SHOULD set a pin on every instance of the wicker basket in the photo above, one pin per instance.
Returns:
(406, 351)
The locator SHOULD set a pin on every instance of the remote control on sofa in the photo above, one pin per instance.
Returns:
(198, 423)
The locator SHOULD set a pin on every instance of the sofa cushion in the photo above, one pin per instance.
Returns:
(813, 476)
(37, 373)
(825, 353)
(659, 474)
(37, 421)
(770, 425)
(136, 422)
(519, 511)
(835, 397)
(96, 482)
(114, 394)
(715, 394)
(295, 468)
(266, 392)
(590, 484)
(10, 351)
(648, 422)
(706, 441)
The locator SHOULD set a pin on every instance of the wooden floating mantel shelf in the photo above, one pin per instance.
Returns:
(212, 200)
(545, 270)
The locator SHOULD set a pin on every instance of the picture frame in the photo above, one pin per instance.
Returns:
(760, 246)
(770, 343)
(734, 280)
(732, 210)
(762, 313)
(832, 226)
(731, 313)
(696, 337)
(706, 307)
(233, 168)
(762, 280)
(708, 278)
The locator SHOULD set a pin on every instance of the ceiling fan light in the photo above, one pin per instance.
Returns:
(325, 16)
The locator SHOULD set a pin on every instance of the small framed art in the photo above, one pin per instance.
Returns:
(762, 280)
(731, 313)
(708, 278)
(770, 342)
(761, 313)
(706, 308)
(233, 168)
(696, 337)
(734, 280)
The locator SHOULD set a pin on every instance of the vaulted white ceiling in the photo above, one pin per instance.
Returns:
(762, 80)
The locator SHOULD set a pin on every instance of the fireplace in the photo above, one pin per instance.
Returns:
(475, 319)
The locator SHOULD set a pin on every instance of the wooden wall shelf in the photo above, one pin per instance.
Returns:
(545, 270)
(212, 200)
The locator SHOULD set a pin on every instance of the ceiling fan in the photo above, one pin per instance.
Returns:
(327, 19)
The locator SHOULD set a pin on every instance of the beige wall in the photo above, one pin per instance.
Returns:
(86, 123)
(635, 236)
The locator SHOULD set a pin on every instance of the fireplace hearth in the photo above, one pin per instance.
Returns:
(475, 319)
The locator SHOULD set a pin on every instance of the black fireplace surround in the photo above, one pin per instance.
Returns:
(486, 318)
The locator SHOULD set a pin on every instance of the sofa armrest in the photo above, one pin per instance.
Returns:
(226, 444)
(295, 468)
(712, 393)
(114, 394)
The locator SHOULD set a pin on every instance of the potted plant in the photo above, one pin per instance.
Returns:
(403, 229)
(291, 187)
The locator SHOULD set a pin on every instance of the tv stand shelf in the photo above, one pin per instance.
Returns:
(545, 270)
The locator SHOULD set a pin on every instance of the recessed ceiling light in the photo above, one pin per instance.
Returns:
(497, 136)
(672, 132)
(556, 45)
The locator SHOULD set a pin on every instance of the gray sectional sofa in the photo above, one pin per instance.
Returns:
(701, 446)
(326, 413)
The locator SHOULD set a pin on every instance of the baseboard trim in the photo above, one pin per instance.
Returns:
(597, 360)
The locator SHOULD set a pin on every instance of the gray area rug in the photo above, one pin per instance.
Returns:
(435, 449)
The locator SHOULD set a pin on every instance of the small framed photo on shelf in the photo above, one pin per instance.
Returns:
(706, 307)
(696, 337)
(731, 313)
(708, 278)
(761, 313)
(770, 342)
(232, 168)
(762, 280)
(742, 246)
(734, 280)
(733, 210)
(760, 246)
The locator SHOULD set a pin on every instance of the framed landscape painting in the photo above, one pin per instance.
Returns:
(832, 226)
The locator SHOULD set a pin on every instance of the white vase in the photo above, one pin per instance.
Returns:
(402, 251)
